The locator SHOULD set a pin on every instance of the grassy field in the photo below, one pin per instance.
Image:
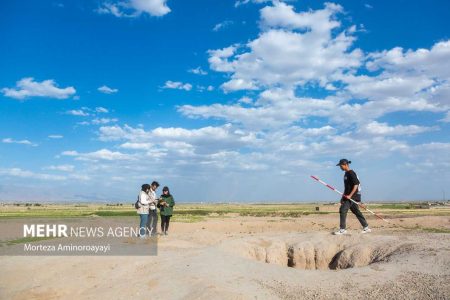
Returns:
(197, 212)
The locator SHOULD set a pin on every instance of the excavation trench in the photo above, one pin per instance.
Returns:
(323, 255)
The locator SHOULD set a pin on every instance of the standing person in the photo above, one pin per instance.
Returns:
(153, 215)
(143, 207)
(166, 205)
(352, 191)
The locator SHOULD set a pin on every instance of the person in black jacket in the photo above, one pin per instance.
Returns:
(352, 191)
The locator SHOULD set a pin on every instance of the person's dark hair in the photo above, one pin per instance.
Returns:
(145, 187)
(166, 188)
(155, 183)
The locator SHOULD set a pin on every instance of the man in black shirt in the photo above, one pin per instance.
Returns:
(352, 191)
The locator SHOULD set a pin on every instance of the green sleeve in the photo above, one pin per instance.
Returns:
(172, 202)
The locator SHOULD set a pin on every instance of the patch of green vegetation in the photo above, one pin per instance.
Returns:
(206, 210)
(45, 214)
(194, 212)
(284, 214)
(111, 213)
(392, 206)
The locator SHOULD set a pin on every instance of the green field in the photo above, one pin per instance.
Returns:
(197, 212)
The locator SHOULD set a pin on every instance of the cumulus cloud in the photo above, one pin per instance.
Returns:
(107, 90)
(386, 86)
(403, 81)
(225, 136)
(277, 107)
(292, 49)
(27, 87)
(134, 8)
(432, 62)
(376, 128)
(177, 85)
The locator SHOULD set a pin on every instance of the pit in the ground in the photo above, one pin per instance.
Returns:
(321, 255)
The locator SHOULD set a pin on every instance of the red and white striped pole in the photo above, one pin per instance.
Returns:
(357, 203)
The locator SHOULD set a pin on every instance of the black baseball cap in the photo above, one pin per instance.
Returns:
(344, 162)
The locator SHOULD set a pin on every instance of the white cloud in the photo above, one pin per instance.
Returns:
(103, 154)
(281, 15)
(434, 62)
(137, 146)
(446, 119)
(134, 8)
(107, 90)
(22, 142)
(222, 25)
(239, 84)
(177, 85)
(101, 110)
(276, 107)
(63, 168)
(27, 87)
(98, 121)
(77, 112)
(202, 88)
(198, 71)
(376, 128)
(385, 86)
(371, 110)
(242, 2)
(218, 59)
(55, 136)
(293, 49)
(205, 138)
(17, 172)
(245, 100)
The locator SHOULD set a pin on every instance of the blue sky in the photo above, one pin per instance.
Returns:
(223, 100)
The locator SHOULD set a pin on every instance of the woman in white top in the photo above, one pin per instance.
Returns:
(144, 205)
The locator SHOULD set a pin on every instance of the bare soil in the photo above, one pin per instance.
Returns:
(254, 258)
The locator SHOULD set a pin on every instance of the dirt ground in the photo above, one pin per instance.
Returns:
(254, 258)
